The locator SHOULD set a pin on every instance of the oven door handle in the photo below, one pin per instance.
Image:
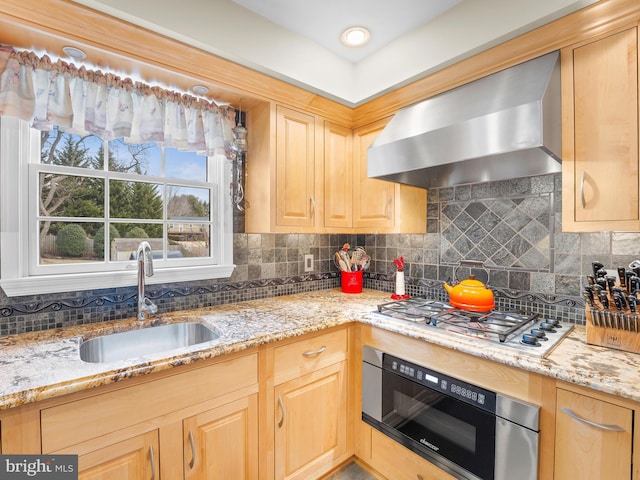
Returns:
(601, 426)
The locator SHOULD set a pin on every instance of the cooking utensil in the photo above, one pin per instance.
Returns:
(471, 295)
(351, 260)
(340, 263)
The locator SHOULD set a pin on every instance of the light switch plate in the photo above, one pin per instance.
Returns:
(308, 263)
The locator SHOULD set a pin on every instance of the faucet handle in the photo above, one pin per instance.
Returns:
(149, 306)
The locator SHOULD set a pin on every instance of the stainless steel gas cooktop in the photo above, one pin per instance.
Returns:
(531, 334)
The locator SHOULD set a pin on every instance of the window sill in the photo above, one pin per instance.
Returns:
(92, 281)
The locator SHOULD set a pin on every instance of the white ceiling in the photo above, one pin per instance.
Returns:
(318, 21)
(297, 40)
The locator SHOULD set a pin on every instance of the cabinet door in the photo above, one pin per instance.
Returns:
(373, 200)
(311, 423)
(338, 176)
(295, 168)
(600, 95)
(592, 450)
(223, 442)
(133, 459)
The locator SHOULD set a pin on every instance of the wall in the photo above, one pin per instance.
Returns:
(514, 226)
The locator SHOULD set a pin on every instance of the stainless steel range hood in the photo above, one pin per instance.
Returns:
(506, 125)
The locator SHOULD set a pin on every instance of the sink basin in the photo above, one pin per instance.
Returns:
(135, 343)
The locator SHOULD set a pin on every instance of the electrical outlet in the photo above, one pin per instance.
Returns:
(308, 263)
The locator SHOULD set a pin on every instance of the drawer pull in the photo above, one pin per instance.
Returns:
(281, 405)
(152, 458)
(582, 199)
(613, 428)
(313, 353)
(193, 450)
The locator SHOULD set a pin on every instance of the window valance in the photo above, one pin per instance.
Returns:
(79, 100)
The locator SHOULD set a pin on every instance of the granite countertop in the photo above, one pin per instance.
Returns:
(41, 365)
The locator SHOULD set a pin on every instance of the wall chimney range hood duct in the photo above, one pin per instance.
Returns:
(506, 125)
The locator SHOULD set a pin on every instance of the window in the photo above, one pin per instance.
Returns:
(74, 208)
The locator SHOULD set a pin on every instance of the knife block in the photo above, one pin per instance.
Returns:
(620, 330)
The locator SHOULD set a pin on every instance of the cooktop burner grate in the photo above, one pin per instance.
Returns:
(494, 323)
(530, 333)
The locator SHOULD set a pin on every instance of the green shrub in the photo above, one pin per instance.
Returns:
(71, 241)
(98, 240)
(136, 232)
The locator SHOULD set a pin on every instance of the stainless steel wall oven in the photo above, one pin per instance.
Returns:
(471, 432)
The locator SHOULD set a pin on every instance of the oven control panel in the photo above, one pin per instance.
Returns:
(463, 391)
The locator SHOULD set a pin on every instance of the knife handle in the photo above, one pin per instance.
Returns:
(604, 299)
(622, 276)
(596, 266)
(633, 300)
(617, 301)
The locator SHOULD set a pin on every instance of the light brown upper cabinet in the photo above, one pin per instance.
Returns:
(378, 205)
(306, 174)
(600, 134)
(282, 171)
(338, 176)
(357, 203)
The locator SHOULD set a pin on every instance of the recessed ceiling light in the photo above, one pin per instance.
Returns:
(355, 36)
(74, 53)
(200, 90)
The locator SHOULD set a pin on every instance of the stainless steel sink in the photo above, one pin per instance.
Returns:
(135, 343)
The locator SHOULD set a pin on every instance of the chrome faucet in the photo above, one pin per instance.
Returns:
(145, 268)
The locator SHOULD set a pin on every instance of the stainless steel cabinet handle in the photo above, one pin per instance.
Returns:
(281, 405)
(313, 206)
(389, 201)
(152, 458)
(582, 199)
(613, 428)
(313, 353)
(192, 444)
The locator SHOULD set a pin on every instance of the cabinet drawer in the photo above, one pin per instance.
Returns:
(305, 356)
(78, 421)
(594, 439)
(397, 462)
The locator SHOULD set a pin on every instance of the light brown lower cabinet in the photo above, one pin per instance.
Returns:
(311, 429)
(134, 458)
(593, 440)
(396, 462)
(223, 442)
(190, 423)
(310, 405)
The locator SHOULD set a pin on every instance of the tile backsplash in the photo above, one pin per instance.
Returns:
(514, 226)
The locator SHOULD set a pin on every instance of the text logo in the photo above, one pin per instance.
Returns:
(50, 467)
(429, 444)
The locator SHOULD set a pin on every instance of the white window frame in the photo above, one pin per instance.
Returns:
(19, 149)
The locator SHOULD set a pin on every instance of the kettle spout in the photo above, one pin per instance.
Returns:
(447, 287)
